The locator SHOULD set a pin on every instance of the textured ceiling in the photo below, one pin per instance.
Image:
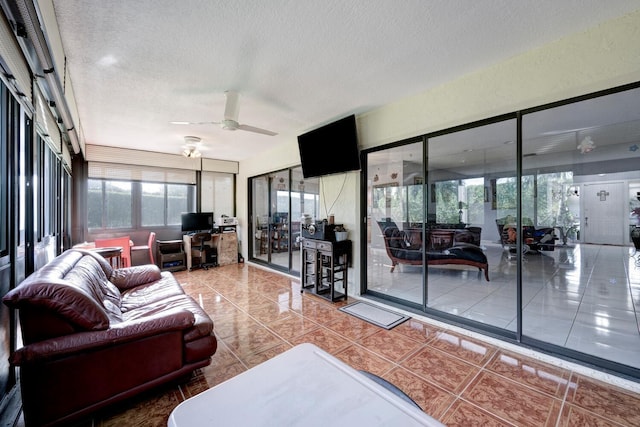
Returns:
(138, 65)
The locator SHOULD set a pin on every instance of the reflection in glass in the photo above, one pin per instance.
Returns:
(279, 199)
(581, 164)
(280, 219)
(260, 204)
(305, 199)
(395, 214)
(472, 188)
(565, 224)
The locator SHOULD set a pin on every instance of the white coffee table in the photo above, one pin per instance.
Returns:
(304, 386)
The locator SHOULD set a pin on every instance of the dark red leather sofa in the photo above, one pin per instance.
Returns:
(93, 335)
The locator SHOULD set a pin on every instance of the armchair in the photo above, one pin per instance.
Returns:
(532, 239)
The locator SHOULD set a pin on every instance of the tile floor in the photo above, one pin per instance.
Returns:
(583, 297)
(458, 380)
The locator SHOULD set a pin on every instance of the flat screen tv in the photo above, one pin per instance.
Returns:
(197, 221)
(330, 149)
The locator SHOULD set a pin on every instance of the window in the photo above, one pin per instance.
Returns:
(152, 204)
(177, 202)
(37, 188)
(117, 204)
(117, 201)
(109, 204)
(447, 202)
(94, 204)
(473, 200)
(460, 201)
(282, 201)
(4, 174)
(553, 192)
(218, 193)
(308, 204)
(50, 187)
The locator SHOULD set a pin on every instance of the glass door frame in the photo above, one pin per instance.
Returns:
(423, 308)
(271, 193)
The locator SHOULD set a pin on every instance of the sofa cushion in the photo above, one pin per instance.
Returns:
(130, 277)
(467, 252)
(203, 325)
(86, 276)
(167, 286)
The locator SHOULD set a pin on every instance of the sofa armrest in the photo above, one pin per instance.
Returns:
(56, 348)
(130, 277)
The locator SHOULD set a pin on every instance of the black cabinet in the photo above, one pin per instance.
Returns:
(325, 268)
(171, 255)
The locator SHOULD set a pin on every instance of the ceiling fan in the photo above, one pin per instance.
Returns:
(230, 121)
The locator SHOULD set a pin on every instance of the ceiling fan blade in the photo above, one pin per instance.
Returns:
(256, 130)
(195, 123)
(232, 106)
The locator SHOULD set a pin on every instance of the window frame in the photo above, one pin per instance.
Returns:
(4, 170)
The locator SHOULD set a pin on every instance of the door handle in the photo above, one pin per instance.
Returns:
(586, 221)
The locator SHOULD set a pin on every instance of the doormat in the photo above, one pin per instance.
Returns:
(382, 317)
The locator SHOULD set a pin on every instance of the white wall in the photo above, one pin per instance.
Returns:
(602, 57)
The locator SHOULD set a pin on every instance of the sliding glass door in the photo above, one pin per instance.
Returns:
(526, 226)
(472, 193)
(395, 211)
(584, 160)
(280, 222)
(277, 202)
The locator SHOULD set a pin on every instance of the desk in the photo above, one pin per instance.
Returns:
(304, 386)
(186, 241)
(225, 244)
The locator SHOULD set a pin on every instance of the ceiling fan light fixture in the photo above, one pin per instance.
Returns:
(587, 145)
(191, 147)
(191, 153)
